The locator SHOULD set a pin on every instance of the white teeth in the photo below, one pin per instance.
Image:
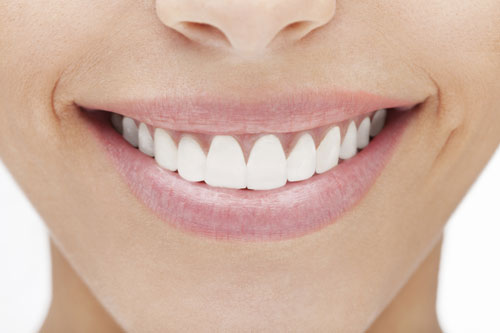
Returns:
(378, 122)
(146, 144)
(348, 148)
(364, 133)
(266, 168)
(130, 131)
(165, 150)
(225, 163)
(116, 120)
(191, 159)
(328, 151)
(301, 162)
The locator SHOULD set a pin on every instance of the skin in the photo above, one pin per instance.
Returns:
(376, 267)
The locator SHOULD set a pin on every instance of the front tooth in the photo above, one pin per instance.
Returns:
(146, 144)
(348, 148)
(301, 162)
(327, 155)
(191, 160)
(378, 122)
(116, 120)
(226, 163)
(364, 133)
(266, 168)
(165, 150)
(130, 131)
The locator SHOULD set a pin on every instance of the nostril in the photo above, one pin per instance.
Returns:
(202, 33)
(295, 26)
(245, 27)
(296, 30)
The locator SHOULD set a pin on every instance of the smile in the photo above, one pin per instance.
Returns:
(273, 159)
(246, 184)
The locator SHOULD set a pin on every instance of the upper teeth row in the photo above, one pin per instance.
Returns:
(267, 166)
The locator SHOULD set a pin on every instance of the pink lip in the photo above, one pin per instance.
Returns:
(291, 211)
(290, 112)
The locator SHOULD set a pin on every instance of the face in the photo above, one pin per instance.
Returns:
(144, 232)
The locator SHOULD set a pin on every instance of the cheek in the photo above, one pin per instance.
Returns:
(39, 41)
(47, 38)
(457, 43)
(442, 32)
(451, 32)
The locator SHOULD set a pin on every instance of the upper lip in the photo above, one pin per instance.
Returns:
(287, 112)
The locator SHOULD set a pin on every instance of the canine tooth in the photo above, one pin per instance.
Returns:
(130, 131)
(266, 168)
(165, 150)
(364, 133)
(146, 144)
(348, 148)
(327, 155)
(301, 162)
(225, 163)
(378, 122)
(192, 161)
(116, 120)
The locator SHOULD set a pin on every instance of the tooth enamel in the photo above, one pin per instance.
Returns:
(327, 155)
(116, 120)
(266, 168)
(378, 122)
(130, 131)
(348, 148)
(364, 133)
(165, 150)
(191, 159)
(226, 163)
(301, 162)
(146, 144)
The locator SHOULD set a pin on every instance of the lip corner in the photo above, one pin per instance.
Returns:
(287, 212)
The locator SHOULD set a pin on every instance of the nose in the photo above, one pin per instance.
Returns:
(245, 25)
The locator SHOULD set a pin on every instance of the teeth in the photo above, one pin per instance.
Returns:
(364, 133)
(328, 151)
(225, 163)
(165, 150)
(349, 146)
(191, 161)
(266, 168)
(378, 122)
(130, 132)
(301, 162)
(116, 120)
(146, 144)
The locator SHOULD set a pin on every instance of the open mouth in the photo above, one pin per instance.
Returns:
(256, 162)
(250, 185)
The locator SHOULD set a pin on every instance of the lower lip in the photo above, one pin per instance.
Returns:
(291, 211)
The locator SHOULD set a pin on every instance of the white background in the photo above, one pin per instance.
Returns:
(469, 292)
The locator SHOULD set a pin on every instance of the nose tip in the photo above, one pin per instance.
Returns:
(245, 25)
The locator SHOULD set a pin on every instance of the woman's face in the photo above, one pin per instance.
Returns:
(161, 252)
